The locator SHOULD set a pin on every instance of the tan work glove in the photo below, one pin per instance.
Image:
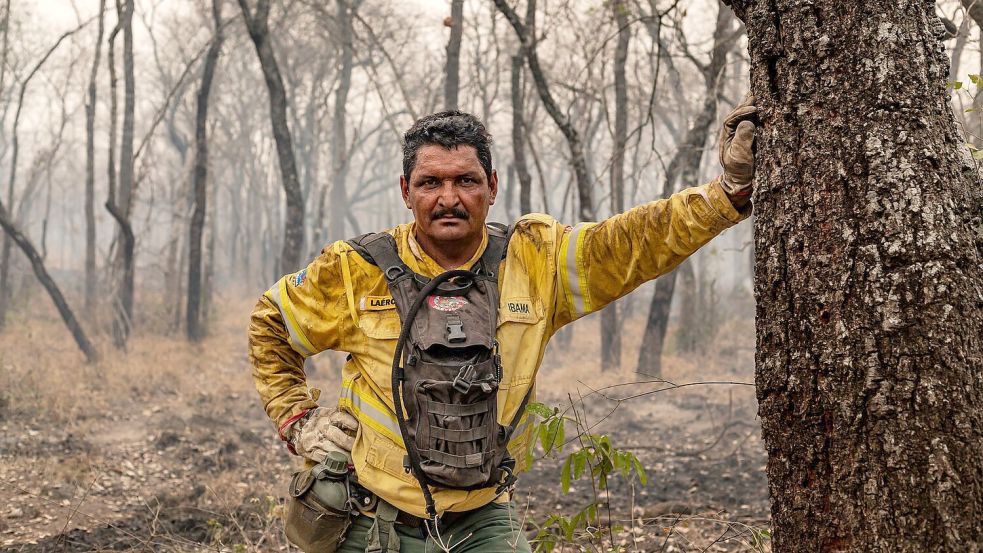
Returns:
(736, 148)
(323, 430)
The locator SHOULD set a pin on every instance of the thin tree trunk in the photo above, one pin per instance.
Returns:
(49, 284)
(339, 144)
(90, 169)
(868, 281)
(610, 329)
(518, 136)
(121, 201)
(194, 325)
(452, 77)
(293, 222)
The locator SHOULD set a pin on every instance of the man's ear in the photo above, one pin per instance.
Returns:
(404, 188)
(493, 184)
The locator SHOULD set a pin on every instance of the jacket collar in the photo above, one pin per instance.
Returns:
(418, 260)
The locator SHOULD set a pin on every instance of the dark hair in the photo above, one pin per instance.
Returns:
(448, 129)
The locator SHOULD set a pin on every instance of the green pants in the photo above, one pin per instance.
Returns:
(494, 528)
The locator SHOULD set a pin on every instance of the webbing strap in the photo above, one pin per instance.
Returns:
(382, 250)
(382, 536)
(495, 250)
(456, 410)
(456, 436)
(456, 461)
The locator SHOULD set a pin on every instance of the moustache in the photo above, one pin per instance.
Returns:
(453, 212)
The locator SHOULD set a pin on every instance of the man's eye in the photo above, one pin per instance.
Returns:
(468, 180)
(430, 183)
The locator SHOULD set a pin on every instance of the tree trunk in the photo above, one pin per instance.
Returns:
(518, 136)
(199, 192)
(121, 201)
(452, 78)
(293, 222)
(90, 170)
(339, 143)
(685, 165)
(610, 329)
(49, 284)
(869, 281)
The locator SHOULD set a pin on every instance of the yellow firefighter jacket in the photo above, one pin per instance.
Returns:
(553, 274)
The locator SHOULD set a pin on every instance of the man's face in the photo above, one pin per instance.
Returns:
(449, 194)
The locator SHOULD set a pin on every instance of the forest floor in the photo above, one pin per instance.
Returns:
(167, 448)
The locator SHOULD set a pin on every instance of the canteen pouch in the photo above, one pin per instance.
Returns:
(318, 512)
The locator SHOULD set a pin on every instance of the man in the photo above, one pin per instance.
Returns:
(551, 275)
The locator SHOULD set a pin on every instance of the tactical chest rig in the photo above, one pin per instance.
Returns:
(446, 369)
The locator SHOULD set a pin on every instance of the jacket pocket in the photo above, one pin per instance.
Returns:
(381, 325)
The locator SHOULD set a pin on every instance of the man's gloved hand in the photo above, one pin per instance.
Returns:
(736, 149)
(323, 430)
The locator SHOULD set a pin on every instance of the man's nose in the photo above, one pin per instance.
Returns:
(448, 193)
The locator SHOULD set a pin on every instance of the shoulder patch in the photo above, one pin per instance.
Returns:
(299, 277)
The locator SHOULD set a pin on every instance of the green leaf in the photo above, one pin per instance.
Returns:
(955, 85)
(640, 471)
(540, 410)
(579, 463)
(969, 110)
(975, 79)
(544, 437)
(565, 475)
(978, 154)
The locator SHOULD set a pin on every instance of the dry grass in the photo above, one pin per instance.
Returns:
(165, 447)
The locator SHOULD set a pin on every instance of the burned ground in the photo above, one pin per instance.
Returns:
(167, 448)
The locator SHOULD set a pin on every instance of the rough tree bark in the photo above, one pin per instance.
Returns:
(518, 136)
(685, 166)
(199, 182)
(293, 222)
(610, 329)
(452, 77)
(90, 168)
(869, 280)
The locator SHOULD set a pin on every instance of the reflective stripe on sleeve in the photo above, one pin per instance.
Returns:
(370, 411)
(299, 342)
(574, 277)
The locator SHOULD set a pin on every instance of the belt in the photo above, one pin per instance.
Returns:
(366, 501)
(446, 520)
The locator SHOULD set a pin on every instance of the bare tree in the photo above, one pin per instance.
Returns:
(120, 201)
(685, 166)
(578, 161)
(452, 77)
(519, 135)
(15, 153)
(868, 281)
(257, 23)
(339, 144)
(90, 167)
(195, 327)
(610, 330)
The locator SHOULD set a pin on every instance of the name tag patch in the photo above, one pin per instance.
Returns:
(377, 303)
(518, 309)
